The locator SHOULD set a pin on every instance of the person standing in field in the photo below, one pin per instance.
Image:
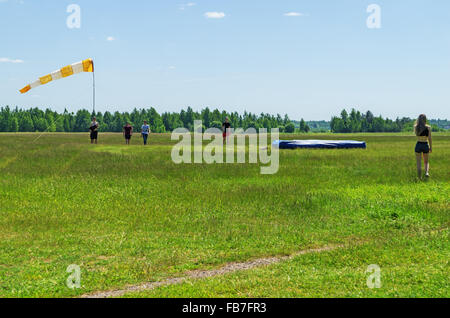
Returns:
(145, 132)
(226, 128)
(127, 133)
(424, 145)
(94, 130)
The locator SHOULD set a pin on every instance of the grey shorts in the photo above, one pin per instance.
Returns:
(422, 147)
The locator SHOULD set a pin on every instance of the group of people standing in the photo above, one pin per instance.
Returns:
(423, 148)
(127, 132)
(145, 131)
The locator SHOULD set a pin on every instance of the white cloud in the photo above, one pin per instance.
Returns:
(110, 38)
(172, 67)
(187, 5)
(215, 15)
(8, 60)
(293, 14)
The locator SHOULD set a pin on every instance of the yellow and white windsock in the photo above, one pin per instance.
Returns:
(83, 66)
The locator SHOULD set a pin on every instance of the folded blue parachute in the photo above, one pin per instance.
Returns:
(319, 144)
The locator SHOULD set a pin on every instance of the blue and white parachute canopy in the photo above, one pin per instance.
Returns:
(319, 144)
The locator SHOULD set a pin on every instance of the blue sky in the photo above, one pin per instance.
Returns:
(245, 55)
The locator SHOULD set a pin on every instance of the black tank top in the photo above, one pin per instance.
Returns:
(425, 133)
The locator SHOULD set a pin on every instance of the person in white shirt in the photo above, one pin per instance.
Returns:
(145, 132)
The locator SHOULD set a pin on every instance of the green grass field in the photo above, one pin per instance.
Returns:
(128, 215)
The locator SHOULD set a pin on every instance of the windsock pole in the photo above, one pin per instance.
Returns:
(93, 92)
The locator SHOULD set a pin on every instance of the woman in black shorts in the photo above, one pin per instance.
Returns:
(424, 145)
(127, 133)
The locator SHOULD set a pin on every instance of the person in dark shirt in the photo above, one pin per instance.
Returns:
(226, 128)
(127, 133)
(424, 145)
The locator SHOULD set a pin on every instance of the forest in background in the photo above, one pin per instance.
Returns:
(37, 120)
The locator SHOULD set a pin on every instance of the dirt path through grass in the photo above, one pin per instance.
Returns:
(201, 274)
(224, 270)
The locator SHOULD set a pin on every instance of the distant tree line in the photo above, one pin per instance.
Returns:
(356, 122)
(37, 120)
(441, 123)
(319, 126)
